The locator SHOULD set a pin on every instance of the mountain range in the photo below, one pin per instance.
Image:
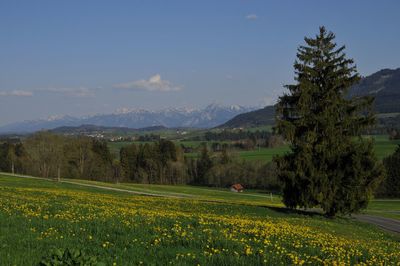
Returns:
(384, 85)
(208, 117)
(91, 130)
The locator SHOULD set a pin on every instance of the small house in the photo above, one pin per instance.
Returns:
(237, 188)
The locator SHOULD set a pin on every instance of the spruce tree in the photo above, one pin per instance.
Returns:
(330, 165)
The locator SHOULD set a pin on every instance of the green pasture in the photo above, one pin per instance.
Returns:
(383, 148)
(389, 208)
(379, 207)
(119, 228)
(249, 196)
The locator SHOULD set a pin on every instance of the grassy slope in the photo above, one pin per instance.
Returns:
(380, 207)
(37, 215)
(249, 197)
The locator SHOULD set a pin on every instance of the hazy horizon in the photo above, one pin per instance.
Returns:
(81, 58)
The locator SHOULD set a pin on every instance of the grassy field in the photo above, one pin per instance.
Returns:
(380, 207)
(383, 148)
(224, 195)
(124, 229)
(116, 146)
(265, 154)
(389, 208)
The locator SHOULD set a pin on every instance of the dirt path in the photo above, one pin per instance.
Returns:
(99, 187)
(124, 190)
(388, 224)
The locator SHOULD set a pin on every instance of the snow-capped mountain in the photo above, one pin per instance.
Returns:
(210, 116)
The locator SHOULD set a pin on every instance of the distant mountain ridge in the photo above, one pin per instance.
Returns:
(90, 129)
(210, 116)
(384, 85)
(261, 117)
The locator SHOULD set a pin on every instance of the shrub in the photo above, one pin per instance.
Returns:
(70, 257)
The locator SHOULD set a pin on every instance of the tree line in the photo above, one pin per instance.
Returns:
(161, 162)
(53, 156)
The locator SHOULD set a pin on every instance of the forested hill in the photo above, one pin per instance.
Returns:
(264, 116)
(384, 85)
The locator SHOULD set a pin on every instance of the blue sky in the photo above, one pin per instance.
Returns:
(86, 57)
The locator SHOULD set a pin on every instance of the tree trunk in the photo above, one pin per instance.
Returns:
(331, 213)
(58, 174)
(81, 161)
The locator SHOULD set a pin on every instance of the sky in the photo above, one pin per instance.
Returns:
(86, 57)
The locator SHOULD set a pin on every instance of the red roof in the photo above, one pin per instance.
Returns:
(237, 186)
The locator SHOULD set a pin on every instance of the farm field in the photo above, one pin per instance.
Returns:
(383, 148)
(119, 228)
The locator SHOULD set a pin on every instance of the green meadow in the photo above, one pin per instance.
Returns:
(383, 148)
(180, 226)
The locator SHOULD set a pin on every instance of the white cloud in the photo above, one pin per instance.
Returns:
(154, 83)
(251, 17)
(268, 100)
(17, 93)
(80, 92)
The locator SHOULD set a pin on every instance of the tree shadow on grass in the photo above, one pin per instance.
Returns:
(284, 210)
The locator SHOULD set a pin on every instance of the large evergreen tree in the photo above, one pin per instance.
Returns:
(329, 165)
